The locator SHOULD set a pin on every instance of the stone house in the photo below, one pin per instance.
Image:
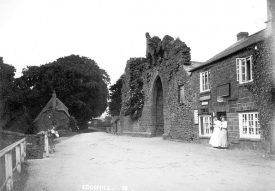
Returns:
(54, 113)
(237, 83)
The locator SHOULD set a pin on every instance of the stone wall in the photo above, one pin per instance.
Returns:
(35, 146)
(129, 122)
(168, 62)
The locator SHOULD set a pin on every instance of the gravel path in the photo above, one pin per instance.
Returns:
(100, 161)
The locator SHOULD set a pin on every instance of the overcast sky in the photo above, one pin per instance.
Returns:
(35, 32)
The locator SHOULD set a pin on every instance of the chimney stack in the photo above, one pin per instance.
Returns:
(242, 35)
(1, 60)
(269, 13)
(270, 16)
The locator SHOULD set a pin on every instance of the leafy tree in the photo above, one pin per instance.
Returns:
(78, 82)
(73, 124)
(6, 86)
(115, 97)
(13, 113)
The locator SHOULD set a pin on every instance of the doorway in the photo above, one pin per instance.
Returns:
(221, 113)
(158, 108)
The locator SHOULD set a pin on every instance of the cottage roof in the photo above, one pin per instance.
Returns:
(53, 104)
(239, 45)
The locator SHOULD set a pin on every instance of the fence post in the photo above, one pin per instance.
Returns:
(8, 168)
(46, 144)
(22, 148)
(18, 158)
(25, 149)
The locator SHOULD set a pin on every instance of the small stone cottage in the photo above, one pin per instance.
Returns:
(54, 113)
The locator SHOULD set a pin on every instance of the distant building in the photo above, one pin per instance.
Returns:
(55, 113)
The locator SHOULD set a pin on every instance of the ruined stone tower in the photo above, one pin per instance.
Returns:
(157, 94)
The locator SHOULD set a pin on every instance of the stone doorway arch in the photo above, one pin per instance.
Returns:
(157, 108)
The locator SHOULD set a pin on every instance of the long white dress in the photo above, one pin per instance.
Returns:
(215, 138)
(223, 135)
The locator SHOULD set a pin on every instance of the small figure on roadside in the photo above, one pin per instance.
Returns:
(54, 131)
(215, 138)
(52, 134)
(223, 133)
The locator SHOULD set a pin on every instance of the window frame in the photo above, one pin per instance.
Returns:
(203, 81)
(210, 124)
(239, 70)
(256, 123)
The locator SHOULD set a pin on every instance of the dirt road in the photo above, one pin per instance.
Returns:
(100, 161)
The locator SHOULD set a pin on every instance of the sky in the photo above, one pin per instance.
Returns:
(36, 32)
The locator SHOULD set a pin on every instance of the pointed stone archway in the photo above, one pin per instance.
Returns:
(157, 108)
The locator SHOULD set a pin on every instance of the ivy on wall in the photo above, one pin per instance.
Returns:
(135, 100)
(165, 56)
(167, 53)
(263, 85)
(115, 97)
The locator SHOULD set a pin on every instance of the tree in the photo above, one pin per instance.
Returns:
(78, 82)
(6, 85)
(13, 113)
(115, 97)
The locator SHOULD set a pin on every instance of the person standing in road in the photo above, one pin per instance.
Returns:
(223, 133)
(215, 138)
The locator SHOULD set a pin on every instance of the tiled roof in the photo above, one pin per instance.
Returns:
(241, 44)
(59, 106)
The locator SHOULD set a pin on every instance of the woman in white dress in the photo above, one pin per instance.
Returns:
(223, 133)
(215, 138)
